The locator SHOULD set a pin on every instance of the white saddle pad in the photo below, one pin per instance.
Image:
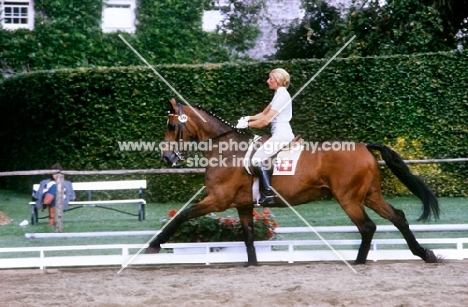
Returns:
(287, 159)
(286, 163)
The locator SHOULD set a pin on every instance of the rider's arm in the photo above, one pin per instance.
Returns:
(261, 120)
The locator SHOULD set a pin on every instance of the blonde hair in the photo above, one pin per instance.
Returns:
(281, 76)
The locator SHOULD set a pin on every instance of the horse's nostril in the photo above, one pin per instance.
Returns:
(165, 159)
(169, 157)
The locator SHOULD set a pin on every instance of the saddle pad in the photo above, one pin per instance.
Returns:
(256, 191)
(286, 161)
(248, 155)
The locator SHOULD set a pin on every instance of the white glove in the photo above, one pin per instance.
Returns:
(243, 122)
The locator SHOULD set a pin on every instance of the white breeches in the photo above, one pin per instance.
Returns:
(271, 147)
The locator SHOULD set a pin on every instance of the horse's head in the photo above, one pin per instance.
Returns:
(178, 131)
(186, 126)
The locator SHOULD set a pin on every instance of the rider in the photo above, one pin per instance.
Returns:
(279, 113)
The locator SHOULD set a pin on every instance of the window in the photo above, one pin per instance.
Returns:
(118, 15)
(17, 14)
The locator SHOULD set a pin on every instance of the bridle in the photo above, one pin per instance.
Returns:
(181, 126)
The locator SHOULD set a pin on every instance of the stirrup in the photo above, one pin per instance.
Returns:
(266, 199)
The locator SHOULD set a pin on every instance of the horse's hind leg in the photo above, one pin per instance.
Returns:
(377, 203)
(367, 230)
(365, 226)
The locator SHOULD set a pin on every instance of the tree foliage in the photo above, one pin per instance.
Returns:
(239, 28)
(395, 27)
(171, 32)
(313, 36)
(454, 14)
(398, 27)
(67, 34)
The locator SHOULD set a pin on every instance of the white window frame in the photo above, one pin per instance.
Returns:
(28, 4)
(130, 4)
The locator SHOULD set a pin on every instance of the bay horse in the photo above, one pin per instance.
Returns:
(351, 177)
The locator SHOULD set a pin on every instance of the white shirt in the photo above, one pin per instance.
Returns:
(282, 103)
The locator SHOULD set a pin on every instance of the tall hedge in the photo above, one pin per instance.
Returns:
(416, 104)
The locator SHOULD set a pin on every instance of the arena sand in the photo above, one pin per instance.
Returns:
(383, 283)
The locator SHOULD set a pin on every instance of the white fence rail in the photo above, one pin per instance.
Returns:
(279, 230)
(286, 251)
(224, 252)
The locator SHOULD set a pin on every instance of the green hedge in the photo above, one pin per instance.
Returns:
(415, 104)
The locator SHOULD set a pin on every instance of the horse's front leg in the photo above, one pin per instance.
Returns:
(207, 205)
(169, 230)
(246, 219)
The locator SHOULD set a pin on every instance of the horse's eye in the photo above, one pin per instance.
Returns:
(171, 127)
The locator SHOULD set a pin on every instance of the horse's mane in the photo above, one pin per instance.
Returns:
(222, 120)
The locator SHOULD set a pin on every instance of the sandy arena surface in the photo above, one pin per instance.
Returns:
(398, 283)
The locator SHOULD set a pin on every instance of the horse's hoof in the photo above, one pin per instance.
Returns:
(251, 264)
(152, 250)
(431, 257)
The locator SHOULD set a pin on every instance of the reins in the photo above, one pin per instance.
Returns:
(191, 153)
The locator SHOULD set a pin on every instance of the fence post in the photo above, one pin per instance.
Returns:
(59, 205)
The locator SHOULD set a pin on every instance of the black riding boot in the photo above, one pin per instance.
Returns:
(268, 196)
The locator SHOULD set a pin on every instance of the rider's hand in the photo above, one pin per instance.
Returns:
(243, 122)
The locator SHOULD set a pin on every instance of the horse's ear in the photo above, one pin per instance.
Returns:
(174, 109)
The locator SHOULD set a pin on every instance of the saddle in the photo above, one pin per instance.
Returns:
(256, 144)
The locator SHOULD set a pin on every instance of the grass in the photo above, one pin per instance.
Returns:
(322, 213)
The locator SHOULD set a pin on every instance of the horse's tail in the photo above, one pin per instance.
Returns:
(413, 183)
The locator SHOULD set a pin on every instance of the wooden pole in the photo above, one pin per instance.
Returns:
(138, 171)
(59, 204)
(178, 170)
(108, 172)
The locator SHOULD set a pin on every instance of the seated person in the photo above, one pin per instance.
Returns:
(45, 195)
